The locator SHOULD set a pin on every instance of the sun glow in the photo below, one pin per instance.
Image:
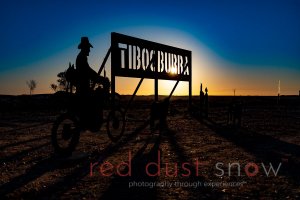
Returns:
(173, 70)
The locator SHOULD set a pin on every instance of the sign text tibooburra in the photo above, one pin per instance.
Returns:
(134, 57)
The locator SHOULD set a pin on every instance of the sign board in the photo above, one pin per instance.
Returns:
(134, 57)
(138, 58)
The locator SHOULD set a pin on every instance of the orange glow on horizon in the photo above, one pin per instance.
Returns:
(220, 76)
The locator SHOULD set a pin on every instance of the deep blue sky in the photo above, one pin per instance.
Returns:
(245, 36)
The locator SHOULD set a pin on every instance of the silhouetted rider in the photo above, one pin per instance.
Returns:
(91, 103)
(85, 72)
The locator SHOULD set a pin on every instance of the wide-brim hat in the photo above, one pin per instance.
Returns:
(84, 43)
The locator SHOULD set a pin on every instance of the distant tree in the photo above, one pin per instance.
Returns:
(62, 81)
(53, 87)
(32, 85)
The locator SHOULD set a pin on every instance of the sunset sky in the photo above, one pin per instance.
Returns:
(243, 45)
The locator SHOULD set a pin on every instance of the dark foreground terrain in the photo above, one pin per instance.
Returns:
(194, 159)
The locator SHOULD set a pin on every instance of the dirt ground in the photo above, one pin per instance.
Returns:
(196, 158)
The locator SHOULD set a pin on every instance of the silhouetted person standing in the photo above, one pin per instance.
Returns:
(201, 101)
(206, 103)
(90, 110)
